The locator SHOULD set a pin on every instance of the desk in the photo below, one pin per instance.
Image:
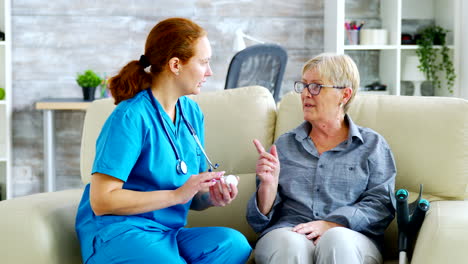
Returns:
(48, 105)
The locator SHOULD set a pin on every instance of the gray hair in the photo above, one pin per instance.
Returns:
(340, 69)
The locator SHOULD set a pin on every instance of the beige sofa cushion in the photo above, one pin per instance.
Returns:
(443, 236)
(428, 137)
(233, 118)
(96, 115)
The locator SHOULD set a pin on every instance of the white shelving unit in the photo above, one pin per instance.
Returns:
(445, 13)
(6, 103)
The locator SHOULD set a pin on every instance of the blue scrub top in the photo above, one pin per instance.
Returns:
(134, 148)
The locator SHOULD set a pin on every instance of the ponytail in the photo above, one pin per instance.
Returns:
(131, 80)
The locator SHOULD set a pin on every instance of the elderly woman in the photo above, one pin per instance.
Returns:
(330, 201)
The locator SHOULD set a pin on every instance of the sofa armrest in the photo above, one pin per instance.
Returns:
(40, 228)
(444, 234)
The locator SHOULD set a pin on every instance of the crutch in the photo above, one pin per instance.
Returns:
(409, 219)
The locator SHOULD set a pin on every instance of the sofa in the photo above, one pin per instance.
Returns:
(428, 137)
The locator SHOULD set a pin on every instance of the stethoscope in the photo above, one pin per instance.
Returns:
(181, 166)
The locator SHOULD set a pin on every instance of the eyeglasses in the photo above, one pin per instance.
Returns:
(314, 88)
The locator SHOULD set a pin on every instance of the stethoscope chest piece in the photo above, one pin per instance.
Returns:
(181, 167)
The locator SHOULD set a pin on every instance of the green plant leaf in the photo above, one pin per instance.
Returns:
(88, 79)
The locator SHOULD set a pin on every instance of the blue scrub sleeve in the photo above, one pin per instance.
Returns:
(118, 146)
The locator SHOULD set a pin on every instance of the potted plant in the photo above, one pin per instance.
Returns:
(430, 62)
(88, 81)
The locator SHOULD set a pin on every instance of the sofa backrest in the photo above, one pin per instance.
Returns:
(96, 116)
(428, 137)
(233, 118)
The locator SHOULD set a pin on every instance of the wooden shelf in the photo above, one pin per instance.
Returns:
(62, 104)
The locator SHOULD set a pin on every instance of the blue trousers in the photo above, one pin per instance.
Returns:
(185, 245)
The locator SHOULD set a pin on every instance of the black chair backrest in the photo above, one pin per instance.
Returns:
(261, 64)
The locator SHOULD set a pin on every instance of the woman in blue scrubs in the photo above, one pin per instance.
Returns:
(149, 170)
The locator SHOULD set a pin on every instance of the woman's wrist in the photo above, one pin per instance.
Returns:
(266, 196)
(270, 184)
(176, 197)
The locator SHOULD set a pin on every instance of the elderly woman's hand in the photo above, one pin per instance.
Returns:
(268, 165)
(315, 229)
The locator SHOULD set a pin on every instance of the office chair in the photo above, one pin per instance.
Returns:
(261, 64)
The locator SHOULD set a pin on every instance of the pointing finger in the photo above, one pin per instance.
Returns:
(258, 146)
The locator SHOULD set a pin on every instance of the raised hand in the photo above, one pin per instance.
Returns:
(268, 165)
(268, 169)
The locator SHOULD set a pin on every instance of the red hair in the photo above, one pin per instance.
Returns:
(173, 37)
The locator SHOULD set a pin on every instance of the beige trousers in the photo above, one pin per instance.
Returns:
(337, 245)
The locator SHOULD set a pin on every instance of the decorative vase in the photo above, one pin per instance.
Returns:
(88, 93)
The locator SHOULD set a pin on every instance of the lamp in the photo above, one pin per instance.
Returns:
(239, 43)
(410, 72)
